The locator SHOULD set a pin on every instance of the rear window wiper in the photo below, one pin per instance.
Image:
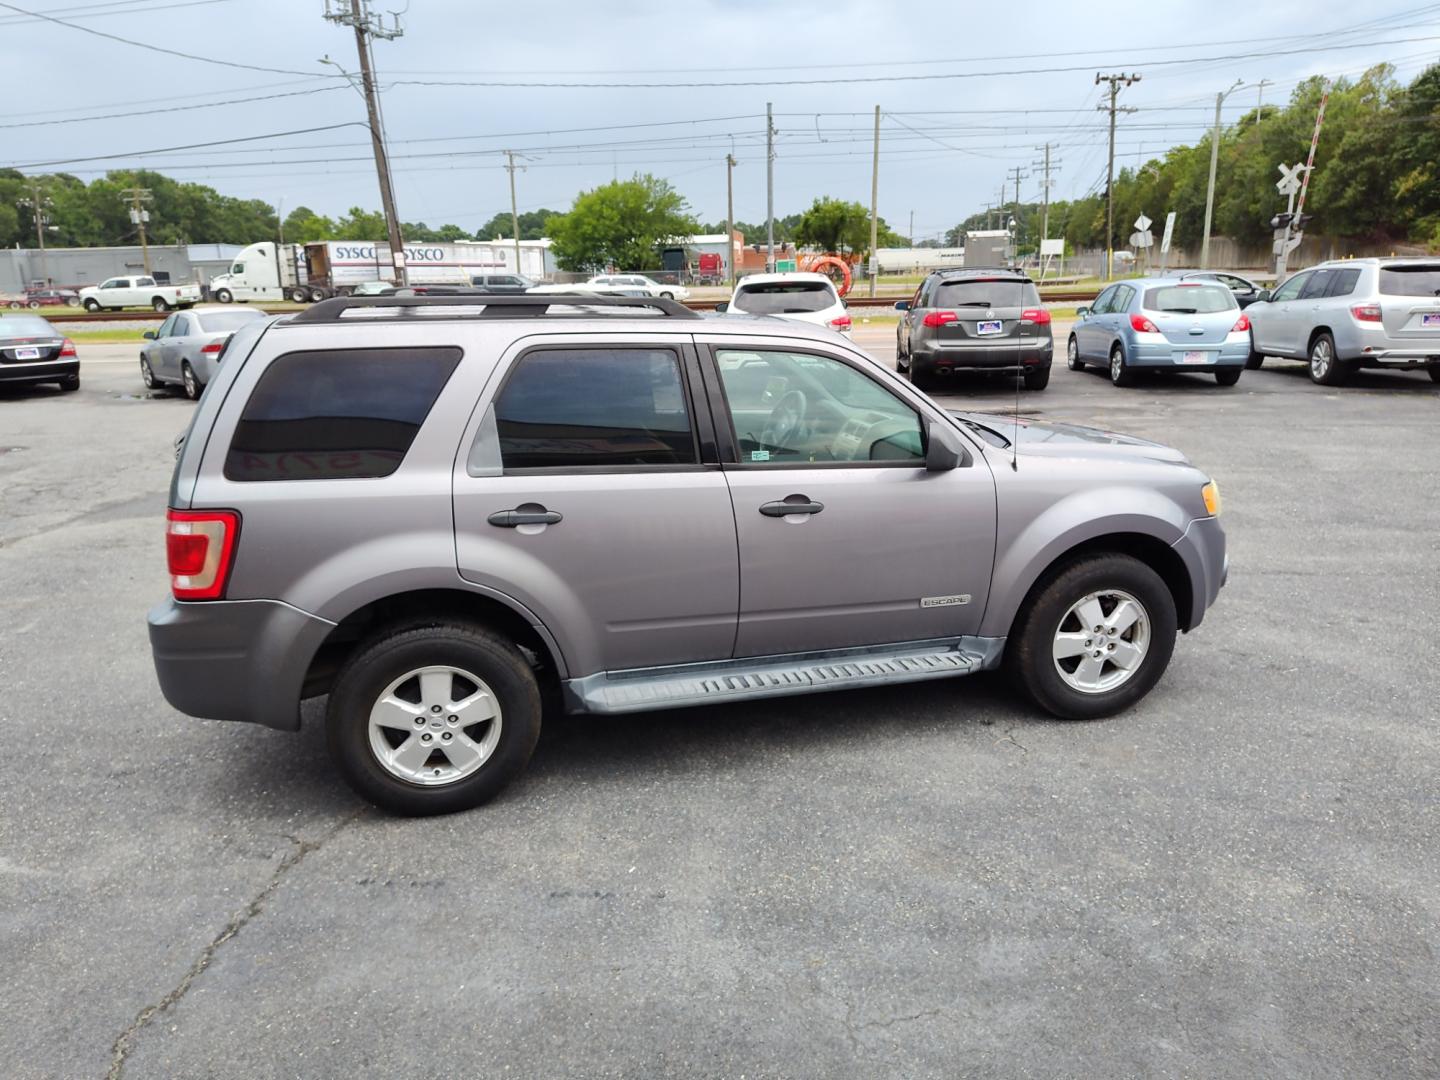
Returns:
(974, 303)
(1179, 311)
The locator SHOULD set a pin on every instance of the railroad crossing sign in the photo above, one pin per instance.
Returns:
(1142, 238)
(1289, 182)
(1169, 231)
(1142, 223)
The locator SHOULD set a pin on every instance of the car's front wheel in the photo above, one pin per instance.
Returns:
(225, 296)
(1072, 355)
(92, 305)
(434, 719)
(147, 374)
(1093, 638)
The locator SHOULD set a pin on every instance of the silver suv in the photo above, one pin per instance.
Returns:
(437, 510)
(1353, 313)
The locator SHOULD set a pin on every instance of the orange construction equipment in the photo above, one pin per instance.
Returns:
(836, 268)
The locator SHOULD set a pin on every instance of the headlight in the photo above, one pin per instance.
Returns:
(1211, 494)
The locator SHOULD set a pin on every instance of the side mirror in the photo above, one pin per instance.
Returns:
(902, 305)
(941, 453)
(148, 335)
(1262, 296)
(1082, 312)
(722, 307)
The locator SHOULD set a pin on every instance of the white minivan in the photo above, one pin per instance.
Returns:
(809, 298)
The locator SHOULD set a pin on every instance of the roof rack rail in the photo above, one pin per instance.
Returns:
(494, 306)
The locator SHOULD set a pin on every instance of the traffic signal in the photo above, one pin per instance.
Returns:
(1300, 221)
(1279, 221)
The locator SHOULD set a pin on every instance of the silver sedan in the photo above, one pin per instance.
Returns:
(186, 348)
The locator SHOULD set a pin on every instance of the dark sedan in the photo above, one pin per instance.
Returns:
(1245, 291)
(33, 351)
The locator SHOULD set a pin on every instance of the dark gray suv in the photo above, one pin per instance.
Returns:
(439, 510)
(984, 318)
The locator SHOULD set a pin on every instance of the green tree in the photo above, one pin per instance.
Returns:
(533, 225)
(834, 225)
(303, 225)
(359, 224)
(622, 224)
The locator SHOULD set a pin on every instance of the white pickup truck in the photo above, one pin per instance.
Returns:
(123, 292)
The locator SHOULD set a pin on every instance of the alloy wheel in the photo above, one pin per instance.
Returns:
(1101, 642)
(1321, 358)
(434, 726)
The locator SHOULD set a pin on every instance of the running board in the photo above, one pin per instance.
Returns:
(724, 681)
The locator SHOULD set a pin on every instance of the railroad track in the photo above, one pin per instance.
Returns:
(855, 303)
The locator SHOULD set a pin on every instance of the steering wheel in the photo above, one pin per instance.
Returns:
(784, 422)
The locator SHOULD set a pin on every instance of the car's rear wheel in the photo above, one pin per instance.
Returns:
(1434, 370)
(433, 719)
(1072, 355)
(70, 382)
(1228, 376)
(147, 374)
(1120, 373)
(1327, 369)
(1094, 637)
(159, 304)
(1037, 378)
(33, 305)
(190, 382)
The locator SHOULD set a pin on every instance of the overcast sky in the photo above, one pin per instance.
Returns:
(946, 141)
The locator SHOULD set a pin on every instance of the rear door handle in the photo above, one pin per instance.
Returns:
(509, 519)
(801, 505)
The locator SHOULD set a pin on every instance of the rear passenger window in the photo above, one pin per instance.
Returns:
(588, 408)
(348, 414)
(1343, 282)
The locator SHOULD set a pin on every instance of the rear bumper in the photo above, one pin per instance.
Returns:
(239, 660)
(1202, 548)
(928, 358)
(1421, 357)
(40, 371)
(1229, 354)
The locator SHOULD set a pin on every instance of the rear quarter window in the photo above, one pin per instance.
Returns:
(1422, 279)
(343, 414)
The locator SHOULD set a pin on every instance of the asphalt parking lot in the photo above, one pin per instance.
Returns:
(1239, 878)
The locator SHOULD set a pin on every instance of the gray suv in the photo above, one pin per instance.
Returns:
(982, 318)
(1353, 313)
(438, 511)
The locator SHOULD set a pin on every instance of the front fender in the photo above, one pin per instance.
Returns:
(1027, 545)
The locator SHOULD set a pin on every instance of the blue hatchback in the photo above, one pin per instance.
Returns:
(1162, 323)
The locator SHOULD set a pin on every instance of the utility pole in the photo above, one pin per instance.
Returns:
(356, 15)
(875, 205)
(39, 204)
(1046, 166)
(1260, 97)
(730, 219)
(1210, 187)
(138, 197)
(769, 188)
(1114, 81)
(514, 210)
(911, 234)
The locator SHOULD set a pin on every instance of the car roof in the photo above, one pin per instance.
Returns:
(769, 279)
(1375, 260)
(955, 273)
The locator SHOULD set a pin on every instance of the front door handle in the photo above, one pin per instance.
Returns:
(799, 505)
(509, 519)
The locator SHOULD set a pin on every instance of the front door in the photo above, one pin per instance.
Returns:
(1275, 325)
(1089, 332)
(845, 538)
(581, 492)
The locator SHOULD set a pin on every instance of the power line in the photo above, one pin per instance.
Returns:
(90, 11)
(173, 108)
(156, 48)
(187, 146)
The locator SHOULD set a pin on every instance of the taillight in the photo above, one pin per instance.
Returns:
(842, 323)
(200, 548)
(1366, 312)
(68, 349)
(1241, 324)
(1040, 316)
(939, 318)
(213, 347)
(1142, 324)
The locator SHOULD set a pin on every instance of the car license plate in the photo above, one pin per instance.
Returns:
(989, 327)
(1194, 356)
(1430, 320)
(27, 354)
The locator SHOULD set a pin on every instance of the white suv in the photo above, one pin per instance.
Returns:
(809, 298)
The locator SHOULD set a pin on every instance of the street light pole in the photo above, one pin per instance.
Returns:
(1210, 188)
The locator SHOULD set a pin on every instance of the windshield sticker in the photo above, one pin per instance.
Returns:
(759, 455)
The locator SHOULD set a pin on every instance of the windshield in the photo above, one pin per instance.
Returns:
(224, 322)
(986, 294)
(1190, 299)
(784, 298)
(13, 326)
(1419, 280)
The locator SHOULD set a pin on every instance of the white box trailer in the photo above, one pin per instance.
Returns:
(311, 272)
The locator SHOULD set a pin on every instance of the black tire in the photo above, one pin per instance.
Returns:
(1434, 370)
(33, 305)
(1029, 652)
(385, 658)
(224, 296)
(92, 305)
(667, 296)
(159, 304)
(70, 383)
(1072, 355)
(316, 295)
(1326, 368)
(1255, 361)
(1037, 378)
(147, 375)
(902, 359)
(1120, 373)
(299, 295)
(191, 384)
(1228, 376)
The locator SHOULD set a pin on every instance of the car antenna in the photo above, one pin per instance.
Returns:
(1019, 375)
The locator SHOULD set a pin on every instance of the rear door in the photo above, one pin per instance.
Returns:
(583, 491)
(876, 549)
(162, 348)
(1410, 303)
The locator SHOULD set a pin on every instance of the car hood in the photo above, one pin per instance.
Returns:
(1054, 438)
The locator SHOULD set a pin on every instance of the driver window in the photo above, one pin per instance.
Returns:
(1102, 302)
(800, 408)
(166, 327)
(1291, 288)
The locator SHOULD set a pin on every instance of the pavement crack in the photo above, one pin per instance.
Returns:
(125, 1041)
(1010, 738)
(922, 1015)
